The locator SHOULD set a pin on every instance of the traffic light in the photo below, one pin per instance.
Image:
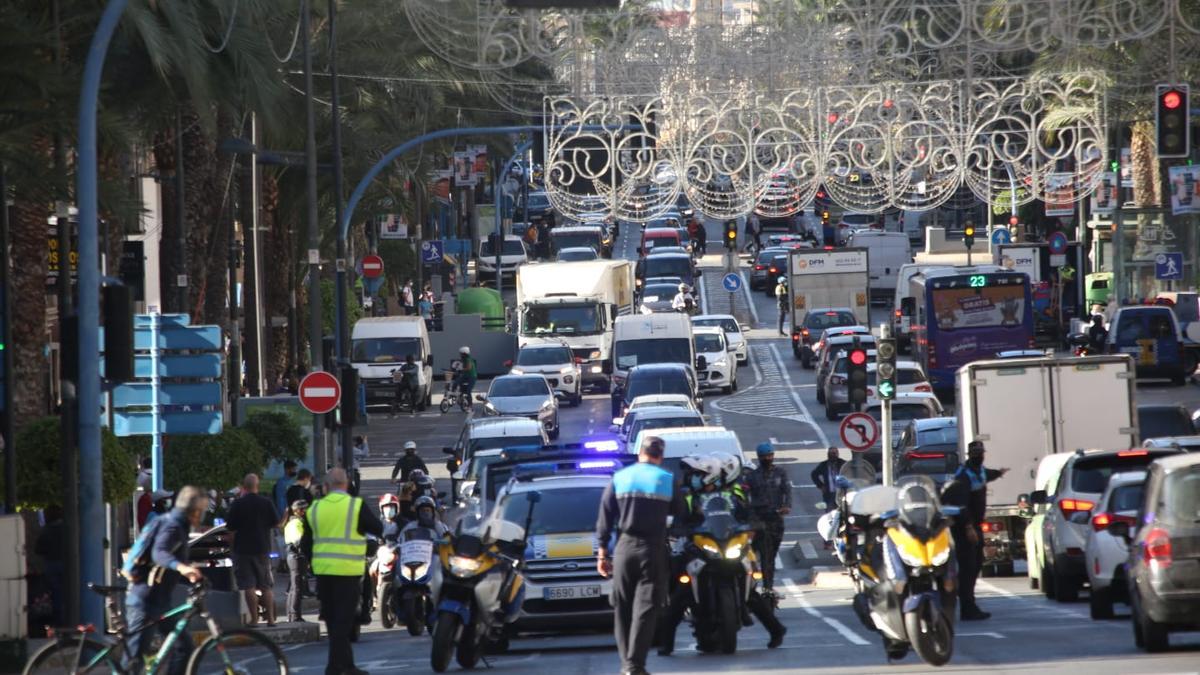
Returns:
(969, 236)
(731, 235)
(856, 376)
(1172, 126)
(885, 368)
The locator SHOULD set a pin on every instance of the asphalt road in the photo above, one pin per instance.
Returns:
(776, 403)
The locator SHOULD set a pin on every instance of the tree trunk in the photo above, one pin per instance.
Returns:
(278, 245)
(30, 379)
(1147, 188)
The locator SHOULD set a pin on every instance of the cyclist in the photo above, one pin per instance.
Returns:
(467, 374)
(407, 384)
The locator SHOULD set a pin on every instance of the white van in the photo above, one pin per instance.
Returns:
(378, 346)
(887, 252)
(639, 339)
(686, 441)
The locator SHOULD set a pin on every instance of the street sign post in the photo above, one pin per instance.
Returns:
(859, 431)
(372, 266)
(1057, 243)
(1168, 266)
(732, 282)
(432, 251)
(1001, 235)
(320, 392)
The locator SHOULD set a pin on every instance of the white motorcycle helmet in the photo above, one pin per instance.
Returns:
(694, 466)
(731, 467)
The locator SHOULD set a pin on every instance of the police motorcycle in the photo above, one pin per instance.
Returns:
(720, 567)
(478, 586)
(904, 574)
(412, 597)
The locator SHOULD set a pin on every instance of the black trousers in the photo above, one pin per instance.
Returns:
(297, 584)
(970, 560)
(639, 587)
(339, 610)
(681, 599)
(767, 543)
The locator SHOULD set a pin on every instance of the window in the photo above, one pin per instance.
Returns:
(1127, 498)
(1182, 496)
(494, 442)
(943, 435)
(659, 292)
(934, 460)
(1091, 474)
(559, 511)
(510, 247)
(1159, 422)
(385, 350)
(707, 342)
(823, 320)
(544, 356)
(667, 266)
(903, 376)
(561, 319)
(575, 240)
(664, 423)
(727, 325)
(658, 383)
(630, 353)
(902, 412)
(519, 386)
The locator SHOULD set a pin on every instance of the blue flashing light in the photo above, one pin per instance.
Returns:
(605, 445)
(602, 464)
(217, 522)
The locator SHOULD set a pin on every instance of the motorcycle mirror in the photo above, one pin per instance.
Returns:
(446, 450)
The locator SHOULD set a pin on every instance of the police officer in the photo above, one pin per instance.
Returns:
(635, 506)
(968, 491)
(335, 541)
(293, 536)
(770, 500)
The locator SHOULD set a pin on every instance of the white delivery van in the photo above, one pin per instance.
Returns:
(640, 339)
(685, 441)
(378, 346)
(887, 252)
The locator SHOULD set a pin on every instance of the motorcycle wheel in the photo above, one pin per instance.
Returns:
(468, 647)
(383, 600)
(444, 631)
(930, 634)
(414, 613)
(728, 621)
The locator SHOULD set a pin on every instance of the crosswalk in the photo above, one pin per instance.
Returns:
(771, 396)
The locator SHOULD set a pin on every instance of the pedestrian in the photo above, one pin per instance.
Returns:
(701, 238)
(407, 462)
(406, 295)
(753, 233)
(770, 500)
(335, 541)
(301, 488)
(968, 491)
(635, 506)
(155, 565)
(280, 489)
(293, 537)
(781, 299)
(251, 518)
(425, 305)
(825, 478)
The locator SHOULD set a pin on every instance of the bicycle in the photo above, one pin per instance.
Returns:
(229, 652)
(452, 395)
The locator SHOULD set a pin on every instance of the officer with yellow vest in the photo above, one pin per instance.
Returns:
(335, 541)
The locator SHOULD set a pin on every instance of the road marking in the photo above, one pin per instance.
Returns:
(808, 550)
(778, 562)
(796, 397)
(843, 630)
(984, 634)
(703, 295)
(749, 299)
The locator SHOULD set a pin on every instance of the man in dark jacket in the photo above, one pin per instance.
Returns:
(825, 475)
(251, 518)
(407, 462)
(968, 491)
(149, 594)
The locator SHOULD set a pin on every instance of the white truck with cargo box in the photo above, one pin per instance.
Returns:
(887, 252)
(577, 303)
(827, 278)
(1026, 409)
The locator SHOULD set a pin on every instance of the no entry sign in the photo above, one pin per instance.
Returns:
(859, 431)
(372, 266)
(320, 392)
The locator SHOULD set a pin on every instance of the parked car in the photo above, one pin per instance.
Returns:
(721, 366)
(1163, 567)
(733, 333)
(522, 396)
(1106, 553)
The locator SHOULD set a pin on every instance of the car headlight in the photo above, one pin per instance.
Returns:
(566, 370)
(547, 405)
(595, 354)
(516, 371)
(461, 565)
(490, 409)
(597, 369)
(720, 363)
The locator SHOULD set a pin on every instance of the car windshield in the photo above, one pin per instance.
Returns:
(657, 383)
(561, 320)
(766, 257)
(385, 350)
(1165, 421)
(707, 342)
(478, 462)
(518, 386)
(494, 442)
(655, 292)
(907, 412)
(575, 239)
(659, 241)
(640, 425)
(558, 512)
(941, 435)
(544, 356)
(1091, 474)
(727, 325)
(630, 353)
(1182, 496)
(858, 219)
(667, 266)
(577, 255)
(903, 376)
(1127, 497)
(830, 319)
(933, 460)
(511, 247)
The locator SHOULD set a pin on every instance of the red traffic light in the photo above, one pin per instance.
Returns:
(1013, 220)
(1172, 99)
(858, 357)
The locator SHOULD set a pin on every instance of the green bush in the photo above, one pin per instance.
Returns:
(39, 476)
(277, 434)
(219, 461)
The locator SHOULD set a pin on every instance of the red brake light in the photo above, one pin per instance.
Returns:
(1070, 506)
(1157, 547)
(992, 526)
(927, 455)
(759, 267)
(828, 248)
(1133, 453)
(897, 314)
(1101, 521)
(923, 387)
(831, 313)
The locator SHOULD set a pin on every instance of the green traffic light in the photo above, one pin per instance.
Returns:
(886, 389)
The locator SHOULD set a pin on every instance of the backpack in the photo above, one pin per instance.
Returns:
(139, 560)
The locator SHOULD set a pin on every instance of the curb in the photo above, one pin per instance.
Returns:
(831, 578)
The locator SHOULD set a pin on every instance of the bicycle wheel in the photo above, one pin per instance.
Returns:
(68, 657)
(237, 652)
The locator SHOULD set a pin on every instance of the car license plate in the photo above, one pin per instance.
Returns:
(571, 592)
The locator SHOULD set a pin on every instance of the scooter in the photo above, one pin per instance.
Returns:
(722, 569)
(412, 599)
(479, 589)
(385, 587)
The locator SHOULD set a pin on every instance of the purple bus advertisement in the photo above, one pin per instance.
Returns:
(960, 317)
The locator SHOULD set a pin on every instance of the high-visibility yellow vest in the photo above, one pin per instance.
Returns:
(293, 532)
(338, 549)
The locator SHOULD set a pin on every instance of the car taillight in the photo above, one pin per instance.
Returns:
(1133, 453)
(795, 337)
(897, 314)
(923, 387)
(773, 270)
(760, 268)
(1101, 521)
(1071, 506)
(992, 526)
(1156, 550)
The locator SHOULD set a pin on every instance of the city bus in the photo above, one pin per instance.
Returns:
(964, 314)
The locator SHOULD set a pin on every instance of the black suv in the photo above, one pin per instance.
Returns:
(656, 378)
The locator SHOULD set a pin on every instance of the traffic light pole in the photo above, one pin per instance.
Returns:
(885, 333)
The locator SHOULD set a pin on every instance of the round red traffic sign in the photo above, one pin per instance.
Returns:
(859, 431)
(372, 266)
(320, 392)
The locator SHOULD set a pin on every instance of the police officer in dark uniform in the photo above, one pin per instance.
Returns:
(968, 491)
(770, 500)
(635, 506)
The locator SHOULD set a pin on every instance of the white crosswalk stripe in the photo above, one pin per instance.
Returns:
(771, 396)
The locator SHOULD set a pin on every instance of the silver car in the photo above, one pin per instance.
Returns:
(556, 363)
(523, 396)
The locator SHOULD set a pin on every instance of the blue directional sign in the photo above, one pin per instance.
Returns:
(1001, 235)
(182, 422)
(432, 251)
(1168, 266)
(732, 282)
(1058, 243)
